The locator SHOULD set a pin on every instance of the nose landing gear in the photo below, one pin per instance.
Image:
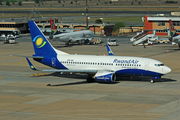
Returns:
(153, 78)
(152, 81)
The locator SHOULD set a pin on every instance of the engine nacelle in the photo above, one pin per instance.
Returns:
(104, 76)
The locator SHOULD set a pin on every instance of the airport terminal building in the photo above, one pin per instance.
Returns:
(159, 25)
(21, 26)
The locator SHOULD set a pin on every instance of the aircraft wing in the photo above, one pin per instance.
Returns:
(61, 70)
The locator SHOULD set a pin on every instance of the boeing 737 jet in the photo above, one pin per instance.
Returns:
(174, 36)
(99, 68)
(84, 36)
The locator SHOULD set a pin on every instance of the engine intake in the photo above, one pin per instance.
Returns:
(104, 76)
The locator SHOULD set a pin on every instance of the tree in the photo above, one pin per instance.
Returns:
(7, 3)
(118, 25)
(98, 21)
(13, 1)
(59, 1)
(20, 3)
(110, 2)
(1, 3)
(36, 1)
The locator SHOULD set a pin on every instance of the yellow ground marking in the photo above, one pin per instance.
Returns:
(39, 74)
(1, 77)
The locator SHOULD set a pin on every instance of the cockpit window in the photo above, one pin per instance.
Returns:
(159, 64)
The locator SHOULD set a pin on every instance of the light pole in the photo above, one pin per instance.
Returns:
(87, 27)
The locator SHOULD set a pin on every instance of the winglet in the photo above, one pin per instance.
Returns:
(110, 53)
(30, 64)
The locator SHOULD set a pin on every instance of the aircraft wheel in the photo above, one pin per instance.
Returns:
(152, 81)
(87, 41)
(79, 42)
(89, 80)
(67, 43)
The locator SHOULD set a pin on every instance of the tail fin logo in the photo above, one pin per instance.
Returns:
(32, 67)
(52, 25)
(39, 41)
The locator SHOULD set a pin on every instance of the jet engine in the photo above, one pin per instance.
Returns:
(105, 76)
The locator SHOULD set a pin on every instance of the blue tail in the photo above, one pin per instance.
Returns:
(41, 45)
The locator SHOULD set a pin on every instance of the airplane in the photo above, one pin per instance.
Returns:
(81, 37)
(175, 37)
(100, 68)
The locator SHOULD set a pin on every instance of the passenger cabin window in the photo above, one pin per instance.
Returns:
(159, 64)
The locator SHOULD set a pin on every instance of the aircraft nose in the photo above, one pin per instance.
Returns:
(167, 70)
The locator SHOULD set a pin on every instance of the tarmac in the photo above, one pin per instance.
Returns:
(24, 94)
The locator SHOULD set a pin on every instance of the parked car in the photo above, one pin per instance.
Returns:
(111, 41)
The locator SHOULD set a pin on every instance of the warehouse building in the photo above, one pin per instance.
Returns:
(159, 25)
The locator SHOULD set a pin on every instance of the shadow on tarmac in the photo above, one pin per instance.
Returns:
(144, 79)
(84, 77)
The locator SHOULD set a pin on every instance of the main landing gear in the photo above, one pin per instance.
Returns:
(90, 79)
(67, 43)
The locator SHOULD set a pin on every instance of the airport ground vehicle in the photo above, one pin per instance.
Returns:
(16, 33)
(96, 41)
(163, 41)
(10, 39)
(111, 41)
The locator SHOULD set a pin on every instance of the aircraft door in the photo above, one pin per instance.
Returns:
(146, 67)
(54, 62)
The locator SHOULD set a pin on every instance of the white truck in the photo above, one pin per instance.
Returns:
(10, 39)
(111, 41)
(152, 39)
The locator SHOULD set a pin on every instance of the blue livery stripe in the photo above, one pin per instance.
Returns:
(137, 72)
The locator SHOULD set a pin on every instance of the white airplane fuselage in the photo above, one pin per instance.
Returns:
(176, 39)
(121, 65)
(74, 36)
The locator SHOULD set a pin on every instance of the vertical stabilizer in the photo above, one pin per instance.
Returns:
(53, 27)
(54, 30)
(172, 29)
(41, 45)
